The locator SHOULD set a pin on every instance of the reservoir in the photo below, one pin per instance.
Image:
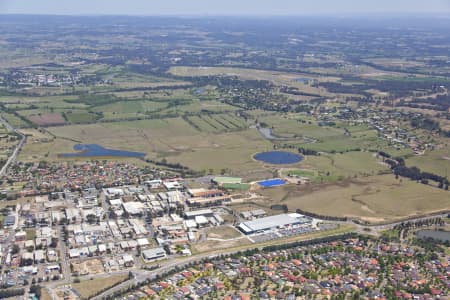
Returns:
(278, 157)
(92, 150)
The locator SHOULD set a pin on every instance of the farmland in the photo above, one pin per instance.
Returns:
(164, 149)
(208, 102)
(174, 139)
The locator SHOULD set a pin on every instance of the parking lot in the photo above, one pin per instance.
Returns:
(280, 233)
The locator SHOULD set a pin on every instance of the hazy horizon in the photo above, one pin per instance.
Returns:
(226, 8)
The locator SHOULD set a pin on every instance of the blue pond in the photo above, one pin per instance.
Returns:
(271, 182)
(89, 150)
(278, 157)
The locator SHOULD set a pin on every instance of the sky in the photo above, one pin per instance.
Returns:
(224, 7)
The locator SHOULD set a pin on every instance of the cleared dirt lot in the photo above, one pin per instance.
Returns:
(92, 266)
(89, 288)
(222, 232)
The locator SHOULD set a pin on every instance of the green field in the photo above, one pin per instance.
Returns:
(300, 173)
(13, 120)
(81, 117)
(236, 186)
(324, 138)
(173, 139)
(333, 167)
(437, 161)
(138, 107)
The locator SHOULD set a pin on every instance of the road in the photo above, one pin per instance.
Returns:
(166, 266)
(64, 261)
(395, 223)
(16, 151)
(143, 275)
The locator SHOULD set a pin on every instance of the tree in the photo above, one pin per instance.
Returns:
(15, 249)
(54, 243)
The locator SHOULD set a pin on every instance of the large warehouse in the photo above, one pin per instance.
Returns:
(273, 222)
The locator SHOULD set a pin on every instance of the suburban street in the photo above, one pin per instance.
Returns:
(166, 266)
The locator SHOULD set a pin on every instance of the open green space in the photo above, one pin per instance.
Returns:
(436, 161)
(14, 120)
(172, 139)
(374, 199)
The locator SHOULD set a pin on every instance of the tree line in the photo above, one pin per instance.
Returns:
(399, 168)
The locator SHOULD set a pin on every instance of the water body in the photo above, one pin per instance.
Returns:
(268, 134)
(93, 150)
(434, 234)
(278, 157)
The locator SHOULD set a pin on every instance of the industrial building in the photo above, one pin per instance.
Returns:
(274, 222)
(206, 197)
(256, 213)
(154, 254)
(9, 221)
(201, 212)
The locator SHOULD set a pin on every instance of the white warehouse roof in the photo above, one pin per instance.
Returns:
(194, 213)
(273, 222)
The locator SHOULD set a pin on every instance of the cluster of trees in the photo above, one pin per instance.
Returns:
(305, 151)
(313, 215)
(336, 87)
(11, 293)
(309, 242)
(405, 227)
(245, 93)
(165, 163)
(432, 246)
(282, 207)
(397, 165)
(425, 123)
(186, 171)
(296, 92)
(396, 88)
(37, 290)
(438, 103)
(303, 108)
